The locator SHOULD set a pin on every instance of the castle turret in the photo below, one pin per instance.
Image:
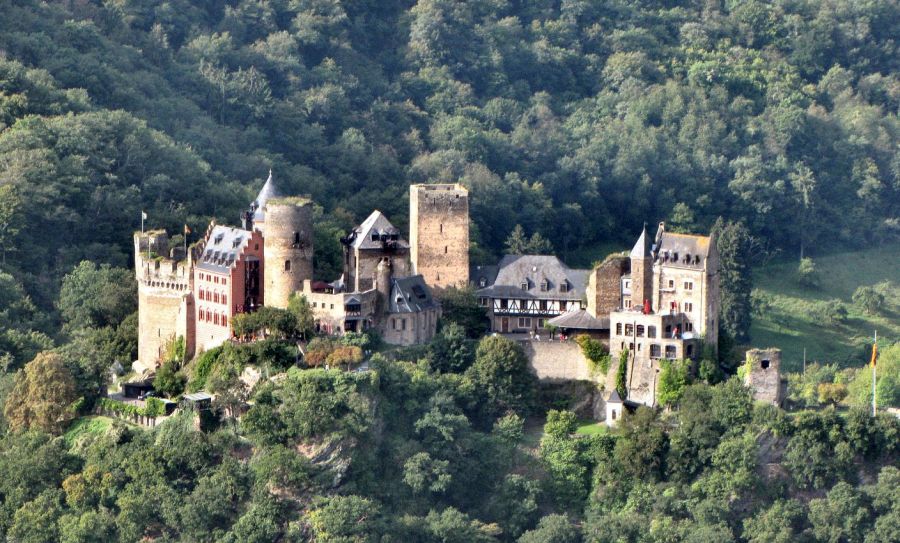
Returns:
(165, 296)
(288, 248)
(642, 272)
(255, 218)
(439, 234)
(383, 274)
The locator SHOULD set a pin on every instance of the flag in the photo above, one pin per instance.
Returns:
(143, 216)
(874, 354)
(187, 229)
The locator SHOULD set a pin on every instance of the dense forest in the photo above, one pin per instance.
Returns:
(572, 123)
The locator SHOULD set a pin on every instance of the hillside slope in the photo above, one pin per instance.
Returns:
(793, 321)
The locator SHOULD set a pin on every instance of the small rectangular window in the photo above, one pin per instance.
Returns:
(651, 331)
(688, 307)
(640, 330)
(671, 283)
(688, 285)
(618, 328)
(629, 329)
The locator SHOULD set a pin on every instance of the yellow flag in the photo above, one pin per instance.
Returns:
(187, 229)
(874, 353)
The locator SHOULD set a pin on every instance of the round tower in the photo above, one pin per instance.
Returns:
(288, 248)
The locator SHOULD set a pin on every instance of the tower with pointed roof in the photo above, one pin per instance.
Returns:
(642, 271)
(255, 217)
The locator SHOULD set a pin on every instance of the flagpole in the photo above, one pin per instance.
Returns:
(874, 364)
(142, 221)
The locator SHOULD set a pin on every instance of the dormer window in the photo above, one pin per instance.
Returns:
(564, 286)
(524, 285)
(375, 236)
(545, 285)
(482, 282)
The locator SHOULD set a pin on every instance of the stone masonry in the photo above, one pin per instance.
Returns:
(439, 234)
(763, 375)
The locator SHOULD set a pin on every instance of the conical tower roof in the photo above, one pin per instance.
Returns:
(642, 249)
(268, 191)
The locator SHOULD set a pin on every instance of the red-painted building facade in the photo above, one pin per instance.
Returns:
(228, 279)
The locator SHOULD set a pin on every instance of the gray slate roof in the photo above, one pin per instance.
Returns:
(376, 225)
(579, 320)
(477, 272)
(269, 190)
(410, 295)
(223, 247)
(532, 270)
(684, 250)
(642, 248)
(614, 397)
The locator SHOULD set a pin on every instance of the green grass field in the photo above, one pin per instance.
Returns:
(86, 426)
(792, 324)
(590, 428)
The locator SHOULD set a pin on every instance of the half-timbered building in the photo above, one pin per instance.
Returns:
(524, 291)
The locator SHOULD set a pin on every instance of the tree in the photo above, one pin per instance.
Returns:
(97, 296)
(11, 219)
(518, 244)
(673, 379)
(451, 351)
(425, 474)
(460, 306)
(841, 516)
(622, 375)
(782, 522)
(807, 275)
(168, 380)
(43, 395)
(299, 306)
(869, 299)
(643, 445)
(552, 529)
(501, 374)
(345, 519)
(736, 248)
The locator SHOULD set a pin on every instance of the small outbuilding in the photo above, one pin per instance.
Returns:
(137, 389)
(197, 401)
(615, 408)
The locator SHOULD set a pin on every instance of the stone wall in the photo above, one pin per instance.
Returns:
(604, 290)
(418, 328)
(288, 249)
(763, 375)
(557, 360)
(439, 234)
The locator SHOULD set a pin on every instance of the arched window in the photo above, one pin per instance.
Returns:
(215, 297)
(224, 320)
(215, 318)
(225, 299)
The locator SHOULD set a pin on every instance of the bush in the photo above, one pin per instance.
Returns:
(807, 275)
(832, 393)
(869, 299)
(832, 312)
(595, 352)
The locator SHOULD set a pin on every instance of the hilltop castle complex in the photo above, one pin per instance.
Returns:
(193, 292)
(658, 302)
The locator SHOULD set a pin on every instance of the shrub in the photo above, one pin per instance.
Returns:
(807, 275)
(594, 351)
(869, 299)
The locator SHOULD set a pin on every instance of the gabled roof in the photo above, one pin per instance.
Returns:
(269, 190)
(614, 397)
(410, 295)
(378, 226)
(223, 248)
(532, 271)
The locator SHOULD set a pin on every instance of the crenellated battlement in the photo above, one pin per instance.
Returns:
(157, 266)
(450, 197)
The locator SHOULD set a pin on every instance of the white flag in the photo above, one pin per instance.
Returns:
(143, 216)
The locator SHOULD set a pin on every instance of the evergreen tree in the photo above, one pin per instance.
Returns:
(736, 247)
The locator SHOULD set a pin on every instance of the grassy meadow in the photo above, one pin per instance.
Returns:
(793, 319)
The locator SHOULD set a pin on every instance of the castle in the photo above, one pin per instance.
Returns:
(668, 305)
(194, 292)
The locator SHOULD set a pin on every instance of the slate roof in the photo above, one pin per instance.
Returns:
(684, 250)
(269, 190)
(376, 225)
(222, 249)
(642, 248)
(579, 320)
(614, 397)
(532, 270)
(477, 272)
(410, 295)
